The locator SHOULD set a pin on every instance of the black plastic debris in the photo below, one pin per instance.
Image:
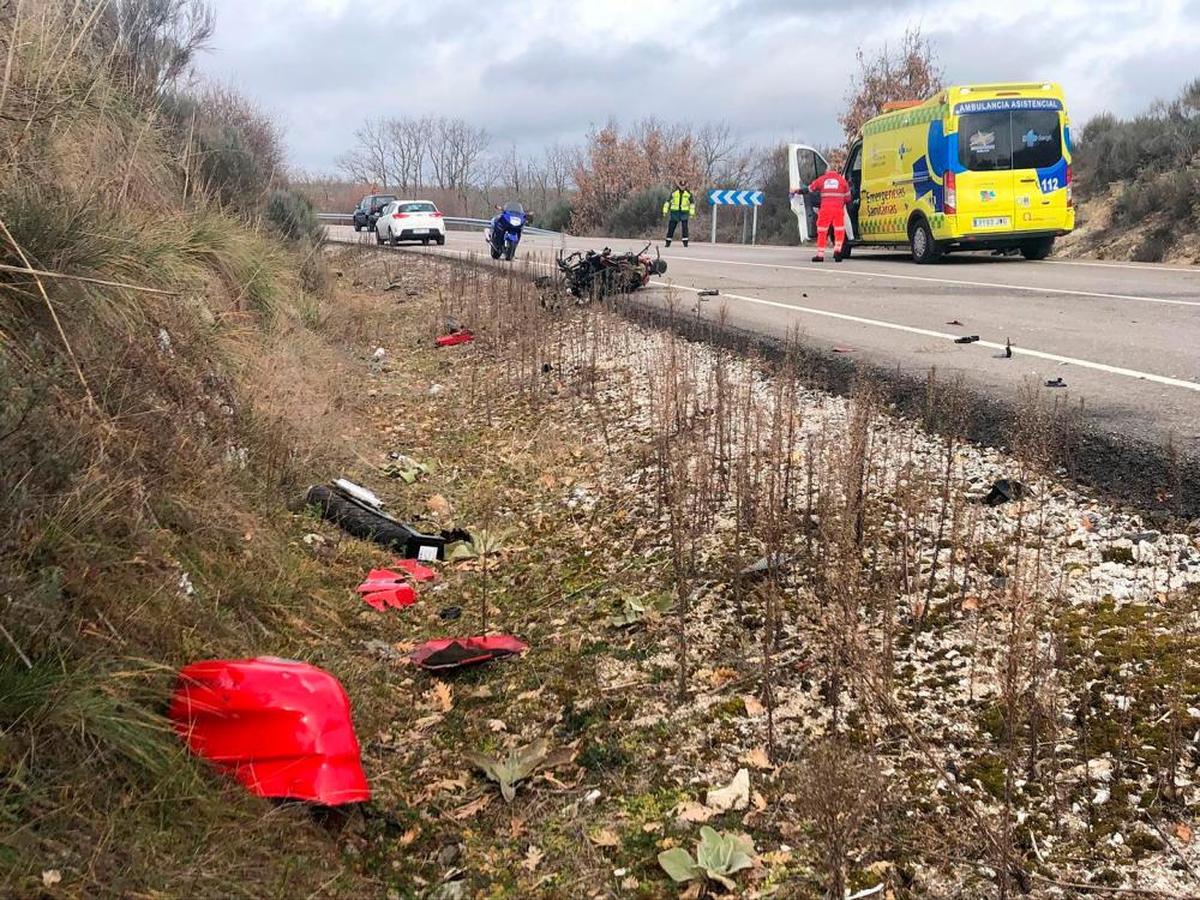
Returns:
(955, 322)
(450, 613)
(1007, 348)
(967, 339)
(708, 293)
(1055, 382)
(354, 513)
(1006, 490)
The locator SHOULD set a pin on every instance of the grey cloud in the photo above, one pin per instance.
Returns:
(754, 63)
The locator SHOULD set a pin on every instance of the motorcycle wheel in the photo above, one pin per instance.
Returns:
(495, 253)
(510, 250)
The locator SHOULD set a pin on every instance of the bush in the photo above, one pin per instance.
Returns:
(637, 214)
(293, 215)
(1163, 140)
(557, 218)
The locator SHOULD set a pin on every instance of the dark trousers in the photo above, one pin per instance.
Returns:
(677, 218)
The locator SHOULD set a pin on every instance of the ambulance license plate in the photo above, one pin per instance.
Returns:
(993, 222)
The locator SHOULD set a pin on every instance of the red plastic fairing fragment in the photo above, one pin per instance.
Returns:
(415, 570)
(450, 653)
(398, 595)
(459, 337)
(280, 727)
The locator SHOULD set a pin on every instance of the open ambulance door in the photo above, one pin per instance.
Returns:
(805, 164)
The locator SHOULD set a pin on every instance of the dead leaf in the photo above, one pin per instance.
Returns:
(548, 481)
(694, 891)
(630, 884)
(531, 695)
(472, 808)
(734, 796)
(409, 836)
(440, 697)
(51, 877)
(970, 604)
(759, 801)
(1183, 832)
(777, 858)
(532, 857)
(651, 827)
(496, 725)
(917, 608)
(604, 837)
(722, 676)
(696, 813)
(427, 721)
(757, 759)
(753, 706)
(439, 506)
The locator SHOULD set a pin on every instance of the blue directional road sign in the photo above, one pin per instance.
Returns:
(735, 198)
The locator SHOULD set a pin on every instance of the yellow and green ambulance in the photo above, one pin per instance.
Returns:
(974, 167)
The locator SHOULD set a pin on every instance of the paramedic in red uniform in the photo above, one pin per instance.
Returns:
(835, 194)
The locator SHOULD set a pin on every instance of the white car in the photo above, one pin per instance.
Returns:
(410, 220)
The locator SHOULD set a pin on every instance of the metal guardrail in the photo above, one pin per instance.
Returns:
(458, 222)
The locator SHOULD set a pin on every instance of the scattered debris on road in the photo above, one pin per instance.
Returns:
(708, 293)
(967, 339)
(1007, 348)
(1055, 383)
(843, 350)
(955, 322)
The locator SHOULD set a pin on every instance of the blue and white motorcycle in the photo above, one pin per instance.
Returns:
(504, 233)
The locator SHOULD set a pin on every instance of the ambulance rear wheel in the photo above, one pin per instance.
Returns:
(1038, 249)
(920, 238)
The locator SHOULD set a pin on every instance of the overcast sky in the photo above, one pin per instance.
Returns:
(538, 71)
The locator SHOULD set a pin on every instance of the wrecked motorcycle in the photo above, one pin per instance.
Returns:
(589, 275)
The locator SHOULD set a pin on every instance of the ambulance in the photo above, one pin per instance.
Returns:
(974, 167)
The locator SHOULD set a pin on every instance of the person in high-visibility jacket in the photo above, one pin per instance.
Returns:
(679, 208)
(835, 194)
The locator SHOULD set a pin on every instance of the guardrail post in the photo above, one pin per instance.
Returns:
(713, 239)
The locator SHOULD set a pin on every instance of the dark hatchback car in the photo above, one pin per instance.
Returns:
(368, 210)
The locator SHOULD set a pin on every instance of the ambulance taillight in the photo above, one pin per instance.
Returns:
(951, 194)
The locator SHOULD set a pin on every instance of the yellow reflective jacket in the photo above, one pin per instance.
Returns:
(680, 201)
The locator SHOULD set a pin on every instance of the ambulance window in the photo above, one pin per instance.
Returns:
(1036, 138)
(985, 141)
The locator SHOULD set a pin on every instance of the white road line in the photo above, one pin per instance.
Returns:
(894, 326)
(1144, 267)
(984, 284)
(911, 329)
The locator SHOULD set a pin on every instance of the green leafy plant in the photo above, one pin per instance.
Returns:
(408, 469)
(717, 857)
(516, 767)
(635, 609)
(483, 543)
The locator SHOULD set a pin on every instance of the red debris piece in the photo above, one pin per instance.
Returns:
(451, 653)
(415, 570)
(280, 727)
(398, 596)
(459, 337)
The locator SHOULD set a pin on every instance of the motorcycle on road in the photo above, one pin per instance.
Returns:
(504, 232)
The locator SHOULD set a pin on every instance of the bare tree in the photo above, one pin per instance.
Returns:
(407, 142)
(153, 41)
(559, 163)
(912, 73)
(370, 160)
(715, 145)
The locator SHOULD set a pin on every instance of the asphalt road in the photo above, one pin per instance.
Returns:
(1124, 338)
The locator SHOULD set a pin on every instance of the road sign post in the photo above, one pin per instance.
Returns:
(754, 199)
